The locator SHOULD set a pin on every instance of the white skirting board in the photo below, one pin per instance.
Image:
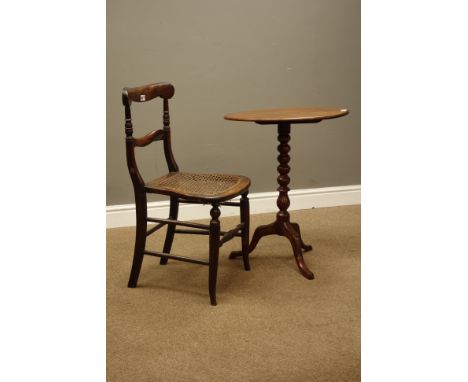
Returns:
(123, 215)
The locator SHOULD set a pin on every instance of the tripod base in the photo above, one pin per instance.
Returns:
(289, 230)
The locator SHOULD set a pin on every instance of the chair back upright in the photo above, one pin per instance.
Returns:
(146, 93)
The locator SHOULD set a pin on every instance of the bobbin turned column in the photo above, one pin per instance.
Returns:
(283, 179)
(282, 226)
(283, 203)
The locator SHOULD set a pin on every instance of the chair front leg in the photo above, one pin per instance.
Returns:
(173, 214)
(140, 239)
(214, 251)
(245, 218)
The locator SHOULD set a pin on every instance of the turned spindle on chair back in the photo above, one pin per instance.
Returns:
(144, 94)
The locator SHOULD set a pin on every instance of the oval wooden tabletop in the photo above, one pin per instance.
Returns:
(298, 115)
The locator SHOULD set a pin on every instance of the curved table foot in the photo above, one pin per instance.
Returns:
(263, 230)
(304, 246)
(289, 230)
(295, 239)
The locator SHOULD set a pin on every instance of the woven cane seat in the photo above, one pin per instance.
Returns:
(199, 186)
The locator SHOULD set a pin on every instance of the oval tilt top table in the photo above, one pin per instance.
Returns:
(282, 225)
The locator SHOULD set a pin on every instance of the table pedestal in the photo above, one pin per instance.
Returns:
(282, 225)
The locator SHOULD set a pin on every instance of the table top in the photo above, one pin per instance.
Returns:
(292, 115)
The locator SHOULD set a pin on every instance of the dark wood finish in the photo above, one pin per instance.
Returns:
(192, 231)
(181, 187)
(214, 251)
(282, 226)
(156, 135)
(140, 238)
(305, 247)
(232, 204)
(229, 235)
(244, 216)
(155, 228)
(200, 232)
(173, 214)
(179, 222)
(171, 163)
(164, 255)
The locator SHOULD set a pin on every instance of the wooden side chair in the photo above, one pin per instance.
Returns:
(181, 187)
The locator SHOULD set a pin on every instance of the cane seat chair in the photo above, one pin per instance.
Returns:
(181, 187)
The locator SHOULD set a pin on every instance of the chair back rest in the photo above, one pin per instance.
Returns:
(143, 94)
(146, 93)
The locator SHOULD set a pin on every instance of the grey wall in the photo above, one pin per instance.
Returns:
(228, 56)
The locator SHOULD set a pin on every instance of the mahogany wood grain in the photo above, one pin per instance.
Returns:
(293, 115)
(148, 92)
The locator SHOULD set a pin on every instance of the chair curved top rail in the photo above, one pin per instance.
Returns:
(145, 93)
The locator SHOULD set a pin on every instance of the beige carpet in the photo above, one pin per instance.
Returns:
(270, 324)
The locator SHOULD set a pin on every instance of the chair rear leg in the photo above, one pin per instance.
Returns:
(140, 240)
(173, 214)
(245, 218)
(214, 251)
